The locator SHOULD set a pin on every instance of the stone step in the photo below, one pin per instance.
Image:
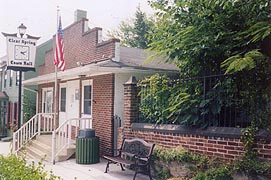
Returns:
(38, 153)
(41, 148)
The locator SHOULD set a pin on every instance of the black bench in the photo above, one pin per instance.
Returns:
(135, 153)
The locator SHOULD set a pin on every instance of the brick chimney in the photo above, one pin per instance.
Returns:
(79, 14)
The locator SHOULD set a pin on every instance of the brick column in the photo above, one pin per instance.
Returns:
(131, 102)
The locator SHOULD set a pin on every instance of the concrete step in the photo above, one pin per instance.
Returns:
(38, 153)
(41, 145)
(41, 148)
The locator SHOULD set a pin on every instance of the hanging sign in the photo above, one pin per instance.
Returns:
(21, 53)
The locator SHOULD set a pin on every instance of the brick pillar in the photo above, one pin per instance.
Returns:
(131, 101)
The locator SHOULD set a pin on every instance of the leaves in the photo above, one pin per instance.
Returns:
(133, 32)
(14, 167)
(238, 63)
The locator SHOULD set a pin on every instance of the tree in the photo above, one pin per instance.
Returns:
(133, 32)
(207, 37)
(203, 34)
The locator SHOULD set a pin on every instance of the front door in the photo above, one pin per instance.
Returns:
(68, 101)
(73, 99)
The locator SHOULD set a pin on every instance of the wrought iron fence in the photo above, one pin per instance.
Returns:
(222, 101)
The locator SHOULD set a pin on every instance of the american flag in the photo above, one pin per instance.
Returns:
(59, 51)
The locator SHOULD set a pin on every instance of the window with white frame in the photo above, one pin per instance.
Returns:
(87, 99)
(47, 100)
(63, 99)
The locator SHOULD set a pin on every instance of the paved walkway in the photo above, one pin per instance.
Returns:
(69, 170)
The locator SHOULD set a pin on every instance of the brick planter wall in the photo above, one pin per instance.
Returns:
(224, 143)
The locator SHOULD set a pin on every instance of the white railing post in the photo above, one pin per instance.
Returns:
(39, 123)
(14, 142)
(69, 133)
(53, 146)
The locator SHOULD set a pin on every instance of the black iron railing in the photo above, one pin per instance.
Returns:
(222, 101)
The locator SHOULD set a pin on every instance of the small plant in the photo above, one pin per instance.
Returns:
(222, 173)
(14, 167)
(249, 142)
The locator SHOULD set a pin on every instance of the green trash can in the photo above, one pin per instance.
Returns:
(87, 147)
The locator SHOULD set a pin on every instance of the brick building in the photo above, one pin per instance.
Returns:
(92, 84)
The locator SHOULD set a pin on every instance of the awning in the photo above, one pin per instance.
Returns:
(93, 69)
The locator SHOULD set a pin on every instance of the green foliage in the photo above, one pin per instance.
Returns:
(200, 166)
(29, 108)
(209, 37)
(182, 101)
(222, 173)
(200, 35)
(253, 166)
(14, 167)
(208, 168)
(154, 98)
(178, 154)
(249, 142)
(133, 32)
(250, 163)
(162, 174)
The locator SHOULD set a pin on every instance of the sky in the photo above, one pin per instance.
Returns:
(40, 16)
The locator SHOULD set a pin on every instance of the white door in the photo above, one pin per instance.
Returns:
(68, 101)
(62, 103)
(72, 99)
(87, 98)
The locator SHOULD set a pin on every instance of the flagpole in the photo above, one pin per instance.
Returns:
(55, 100)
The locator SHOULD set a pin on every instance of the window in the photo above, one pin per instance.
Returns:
(47, 101)
(17, 77)
(87, 99)
(5, 79)
(10, 78)
(63, 99)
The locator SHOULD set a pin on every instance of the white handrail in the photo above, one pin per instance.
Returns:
(66, 133)
(41, 122)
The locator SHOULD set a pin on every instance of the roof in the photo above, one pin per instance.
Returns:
(134, 57)
(3, 95)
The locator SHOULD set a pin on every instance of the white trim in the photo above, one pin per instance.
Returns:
(42, 98)
(62, 85)
(88, 70)
(85, 83)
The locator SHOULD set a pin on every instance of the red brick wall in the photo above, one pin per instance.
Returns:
(225, 148)
(81, 47)
(103, 110)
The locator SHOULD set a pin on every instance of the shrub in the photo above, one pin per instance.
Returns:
(14, 167)
(222, 173)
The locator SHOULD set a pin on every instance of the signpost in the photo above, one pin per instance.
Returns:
(21, 53)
